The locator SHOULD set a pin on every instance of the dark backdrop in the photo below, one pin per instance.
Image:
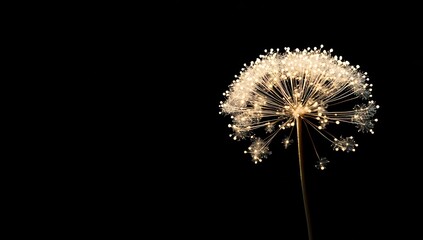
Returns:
(172, 170)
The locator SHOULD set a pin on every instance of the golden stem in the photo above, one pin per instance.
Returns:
(303, 187)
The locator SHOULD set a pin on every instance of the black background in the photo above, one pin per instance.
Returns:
(169, 167)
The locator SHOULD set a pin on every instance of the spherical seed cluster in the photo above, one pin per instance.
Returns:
(279, 88)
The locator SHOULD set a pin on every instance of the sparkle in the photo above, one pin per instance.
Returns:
(321, 163)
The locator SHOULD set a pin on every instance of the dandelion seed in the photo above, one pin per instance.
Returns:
(286, 142)
(321, 163)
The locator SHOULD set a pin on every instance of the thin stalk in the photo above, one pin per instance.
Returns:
(303, 187)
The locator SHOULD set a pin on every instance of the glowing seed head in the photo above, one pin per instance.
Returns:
(310, 85)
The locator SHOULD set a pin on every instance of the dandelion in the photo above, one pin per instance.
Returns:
(312, 88)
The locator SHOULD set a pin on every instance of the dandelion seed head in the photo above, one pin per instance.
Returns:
(280, 88)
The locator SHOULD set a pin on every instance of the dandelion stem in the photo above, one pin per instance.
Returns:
(303, 187)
